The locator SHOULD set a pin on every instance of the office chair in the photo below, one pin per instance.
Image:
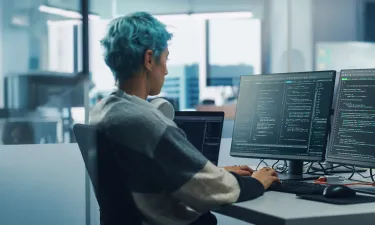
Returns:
(116, 203)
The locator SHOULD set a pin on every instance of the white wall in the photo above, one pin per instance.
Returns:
(337, 20)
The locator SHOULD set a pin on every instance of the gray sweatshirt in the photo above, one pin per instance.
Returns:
(172, 182)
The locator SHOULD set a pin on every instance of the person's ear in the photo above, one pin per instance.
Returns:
(148, 59)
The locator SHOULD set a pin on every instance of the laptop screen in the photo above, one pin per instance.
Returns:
(203, 130)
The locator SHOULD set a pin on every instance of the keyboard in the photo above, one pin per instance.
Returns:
(297, 187)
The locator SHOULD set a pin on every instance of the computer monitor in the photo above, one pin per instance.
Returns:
(203, 130)
(352, 139)
(284, 117)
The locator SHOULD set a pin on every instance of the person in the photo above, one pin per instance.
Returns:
(173, 182)
(18, 133)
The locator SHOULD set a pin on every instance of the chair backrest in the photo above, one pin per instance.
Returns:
(115, 200)
(86, 137)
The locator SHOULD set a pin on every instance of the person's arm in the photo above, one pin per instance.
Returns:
(190, 177)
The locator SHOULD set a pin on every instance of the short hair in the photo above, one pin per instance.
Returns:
(128, 38)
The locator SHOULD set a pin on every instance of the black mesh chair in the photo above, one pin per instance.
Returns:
(116, 203)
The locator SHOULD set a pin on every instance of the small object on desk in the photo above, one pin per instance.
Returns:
(297, 187)
(332, 179)
(338, 191)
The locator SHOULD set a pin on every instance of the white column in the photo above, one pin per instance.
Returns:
(1, 57)
(291, 35)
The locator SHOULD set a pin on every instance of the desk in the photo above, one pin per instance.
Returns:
(275, 208)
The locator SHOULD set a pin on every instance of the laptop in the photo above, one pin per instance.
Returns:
(203, 130)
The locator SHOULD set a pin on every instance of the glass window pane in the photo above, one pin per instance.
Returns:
(234, 50)
(181, 85)
(41, 179)
(39, 90)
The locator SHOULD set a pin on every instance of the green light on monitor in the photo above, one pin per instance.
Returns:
(344, 79)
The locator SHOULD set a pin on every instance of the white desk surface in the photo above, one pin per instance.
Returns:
(275, 208)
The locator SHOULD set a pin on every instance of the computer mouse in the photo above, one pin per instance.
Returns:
(338, 191)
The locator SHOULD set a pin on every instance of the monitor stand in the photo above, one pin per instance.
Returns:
(295, 172)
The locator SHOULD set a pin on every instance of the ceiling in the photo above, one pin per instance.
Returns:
(104, 7)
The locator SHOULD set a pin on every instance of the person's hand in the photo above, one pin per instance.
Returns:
(240, 170)
(266, 176)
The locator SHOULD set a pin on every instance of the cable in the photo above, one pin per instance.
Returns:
(315, 171)
(280, 168)
(260, 163)
(328, 170)
(273, 166)
(363, 176)
(354, 171)
(349, 184)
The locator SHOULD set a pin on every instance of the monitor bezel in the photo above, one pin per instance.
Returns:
(290, 157)
(201, 113)
(219, 114)
(342, 160)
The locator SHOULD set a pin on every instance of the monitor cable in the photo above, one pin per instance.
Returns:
(325, 171)
(280, 168)
(316, 171)
(363, 176)
(262, 161)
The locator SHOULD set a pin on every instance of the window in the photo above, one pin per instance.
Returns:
(234, 47)
(61, 46)
(185, 57)
(232, 44)
(101, 74)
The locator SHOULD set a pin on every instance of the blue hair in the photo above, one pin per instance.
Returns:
(128, 38)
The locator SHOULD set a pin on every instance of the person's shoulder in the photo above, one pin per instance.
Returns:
(130, 124)
(129, 117)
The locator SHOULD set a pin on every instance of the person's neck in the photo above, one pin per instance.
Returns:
(136, 86)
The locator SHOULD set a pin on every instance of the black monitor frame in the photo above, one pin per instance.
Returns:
(203, 114)
(295, 171)
(346, 161)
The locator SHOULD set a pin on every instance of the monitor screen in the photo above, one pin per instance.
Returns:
(352, 139)
(203, 130)
(283, 116)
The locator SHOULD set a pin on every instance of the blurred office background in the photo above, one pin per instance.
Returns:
(52, 72)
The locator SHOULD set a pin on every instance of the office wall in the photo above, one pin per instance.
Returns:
(337, 20)
(42, 184)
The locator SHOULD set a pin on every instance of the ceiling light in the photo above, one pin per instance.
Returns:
(64, 12)
(206, 16)
(221, 15)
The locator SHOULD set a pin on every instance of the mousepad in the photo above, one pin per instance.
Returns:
(358, 199)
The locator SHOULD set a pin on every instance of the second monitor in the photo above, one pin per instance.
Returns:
(284, 117)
